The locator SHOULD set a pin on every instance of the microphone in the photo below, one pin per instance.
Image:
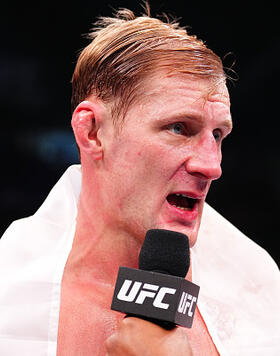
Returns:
(158, 291)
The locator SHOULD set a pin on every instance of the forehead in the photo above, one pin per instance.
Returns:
(183, 94)
(195, 87)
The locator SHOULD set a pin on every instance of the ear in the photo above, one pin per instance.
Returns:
(86, 121)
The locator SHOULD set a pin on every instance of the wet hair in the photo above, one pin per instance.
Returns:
(125, 50)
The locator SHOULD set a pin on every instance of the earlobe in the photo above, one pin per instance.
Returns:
(86, 123)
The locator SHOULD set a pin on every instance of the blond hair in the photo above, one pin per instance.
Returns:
(125, 49)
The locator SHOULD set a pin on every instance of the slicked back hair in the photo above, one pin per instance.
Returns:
(125, 50)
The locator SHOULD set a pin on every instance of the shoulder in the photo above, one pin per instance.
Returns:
(29, 239)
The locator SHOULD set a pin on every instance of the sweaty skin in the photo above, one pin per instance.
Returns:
(170, 143)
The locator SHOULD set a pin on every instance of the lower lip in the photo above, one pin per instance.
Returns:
(186, 216)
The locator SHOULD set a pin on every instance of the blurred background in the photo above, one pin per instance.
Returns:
(39, 46)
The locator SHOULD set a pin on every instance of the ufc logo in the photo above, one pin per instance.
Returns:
(186, 304)
(147, 291)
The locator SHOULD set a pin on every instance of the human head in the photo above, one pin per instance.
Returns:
(126, 49)
(141, 72)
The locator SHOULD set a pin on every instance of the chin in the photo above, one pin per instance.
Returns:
(190, 231)
(192, 235)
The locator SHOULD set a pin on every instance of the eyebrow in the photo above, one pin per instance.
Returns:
(199, 118)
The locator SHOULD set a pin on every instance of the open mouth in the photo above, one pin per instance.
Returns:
(181, 201)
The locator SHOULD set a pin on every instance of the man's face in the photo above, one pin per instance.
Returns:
(158, 168)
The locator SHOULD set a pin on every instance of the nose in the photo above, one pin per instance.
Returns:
(205, 159)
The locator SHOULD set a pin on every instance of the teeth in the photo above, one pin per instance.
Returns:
(187, 203)
(182, 195)
(180, 207)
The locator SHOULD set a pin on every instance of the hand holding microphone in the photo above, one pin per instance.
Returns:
(138, 337)
(156, 297)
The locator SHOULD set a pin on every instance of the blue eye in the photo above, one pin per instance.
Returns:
(217, 135)
(177, 128)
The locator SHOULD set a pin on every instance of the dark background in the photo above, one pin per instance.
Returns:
(39, 45)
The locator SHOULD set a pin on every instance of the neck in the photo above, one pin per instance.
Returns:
(99, 250)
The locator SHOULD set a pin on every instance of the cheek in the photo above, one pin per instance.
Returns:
(147, 159)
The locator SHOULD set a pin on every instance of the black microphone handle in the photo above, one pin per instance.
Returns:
(150, 256)
(158, 291)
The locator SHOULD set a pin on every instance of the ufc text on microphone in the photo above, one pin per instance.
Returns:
(158, 290)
